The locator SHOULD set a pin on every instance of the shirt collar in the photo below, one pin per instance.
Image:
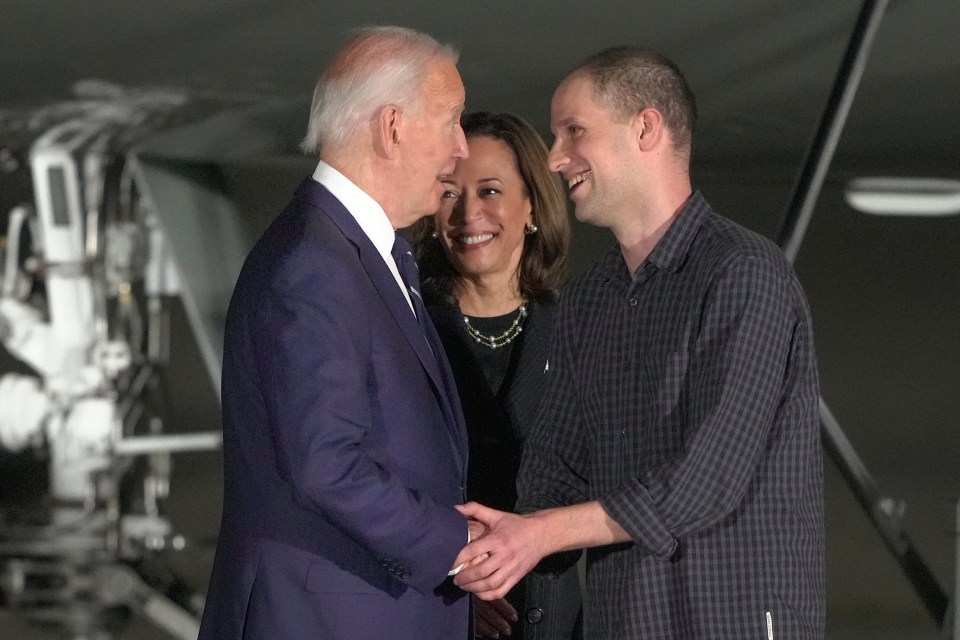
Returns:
(367, 211)
(671, 251)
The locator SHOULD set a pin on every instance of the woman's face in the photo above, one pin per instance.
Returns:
(484, 210)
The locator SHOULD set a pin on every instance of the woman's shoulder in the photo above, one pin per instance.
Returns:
(541, 315)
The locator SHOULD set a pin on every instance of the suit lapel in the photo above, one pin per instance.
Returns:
(430, 355)
(450, 386)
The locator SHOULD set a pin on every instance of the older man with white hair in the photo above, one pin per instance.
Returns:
(344, 446)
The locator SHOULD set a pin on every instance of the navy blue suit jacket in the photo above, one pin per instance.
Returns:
(344, 446)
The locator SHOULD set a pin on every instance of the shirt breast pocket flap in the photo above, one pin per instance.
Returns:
(672, 377)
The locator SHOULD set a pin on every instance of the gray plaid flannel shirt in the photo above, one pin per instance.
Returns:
(684, 399)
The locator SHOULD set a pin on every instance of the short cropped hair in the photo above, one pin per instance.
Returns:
(544, 258)
(629, 79)
(377, 66)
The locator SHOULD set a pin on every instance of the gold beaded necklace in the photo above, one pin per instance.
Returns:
(505, 338)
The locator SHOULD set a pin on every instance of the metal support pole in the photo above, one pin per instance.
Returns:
(884, 516)
(807, 191)
(818, 159)
(170, 443)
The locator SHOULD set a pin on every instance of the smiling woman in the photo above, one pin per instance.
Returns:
(483, 217)
(492, 258)
(509, 182)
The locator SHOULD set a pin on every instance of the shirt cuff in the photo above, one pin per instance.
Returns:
(457, 569)
(632, 508)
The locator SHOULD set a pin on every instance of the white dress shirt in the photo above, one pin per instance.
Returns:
(369, 215)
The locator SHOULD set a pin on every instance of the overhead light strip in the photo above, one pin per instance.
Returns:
(886, 196)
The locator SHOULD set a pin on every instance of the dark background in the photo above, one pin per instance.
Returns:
(885, 292)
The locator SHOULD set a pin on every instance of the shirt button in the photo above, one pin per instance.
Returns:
(534, 616)
(634, 302)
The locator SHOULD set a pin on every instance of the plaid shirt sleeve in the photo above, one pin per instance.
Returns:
(735, 374)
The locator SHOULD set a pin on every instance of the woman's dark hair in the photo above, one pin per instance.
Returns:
(544, 259)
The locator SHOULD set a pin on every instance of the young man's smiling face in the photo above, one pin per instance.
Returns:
(593, 150)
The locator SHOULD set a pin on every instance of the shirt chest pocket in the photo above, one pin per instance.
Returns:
(672, 382)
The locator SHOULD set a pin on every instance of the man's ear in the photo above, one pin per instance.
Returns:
(649, 128)
(389, 127)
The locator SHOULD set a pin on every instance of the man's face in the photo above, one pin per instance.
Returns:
(434, 141)
(592, 151)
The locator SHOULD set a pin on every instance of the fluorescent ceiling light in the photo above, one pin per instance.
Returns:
(904, 196)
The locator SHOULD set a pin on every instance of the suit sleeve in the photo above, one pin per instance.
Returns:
(735, 380)
(315, 368)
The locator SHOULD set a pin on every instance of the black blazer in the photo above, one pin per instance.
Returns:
(547, 600)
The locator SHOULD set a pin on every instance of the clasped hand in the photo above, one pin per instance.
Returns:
(507, 548)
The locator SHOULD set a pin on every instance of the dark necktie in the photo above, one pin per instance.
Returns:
(411, 276)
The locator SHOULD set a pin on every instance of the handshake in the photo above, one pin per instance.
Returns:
(503, 548)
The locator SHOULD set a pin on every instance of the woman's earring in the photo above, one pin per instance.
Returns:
(530, 229)
(435, 235)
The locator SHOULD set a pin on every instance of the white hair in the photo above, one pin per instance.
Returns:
(377, 66)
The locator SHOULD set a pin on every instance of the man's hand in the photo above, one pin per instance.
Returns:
(498, 560)
(494, 618)
(476, 529)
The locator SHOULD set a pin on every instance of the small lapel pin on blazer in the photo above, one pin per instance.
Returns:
(546, 367)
